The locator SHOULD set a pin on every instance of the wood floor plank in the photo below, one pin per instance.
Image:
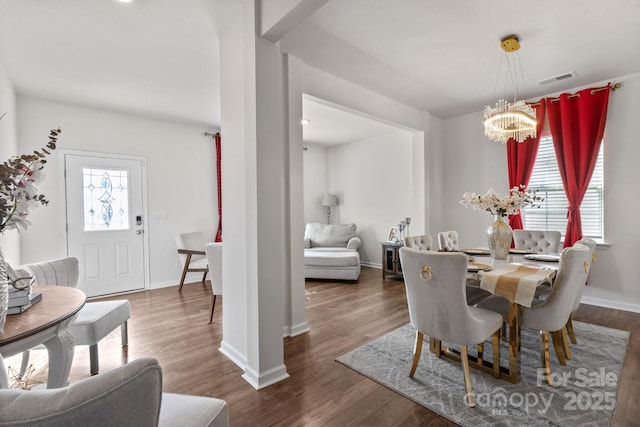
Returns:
(174, 328)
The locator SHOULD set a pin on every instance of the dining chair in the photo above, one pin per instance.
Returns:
(448, 241)
(214, 258)
(191, 253)
(551, 315)
(95, 320)
(436, 285)
(423, 242)
(591, 244)
(537, 241)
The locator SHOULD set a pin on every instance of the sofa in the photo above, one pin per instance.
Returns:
(331, 251)
(130, 395)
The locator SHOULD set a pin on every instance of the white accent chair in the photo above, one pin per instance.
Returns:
(448, 241)
(591, 244)
(214, 259)
(537, 241)
(423, 242)
(331, 251)
(127, 396)
(551, 315)
(95, 320)
(191, 253)
(436, 286)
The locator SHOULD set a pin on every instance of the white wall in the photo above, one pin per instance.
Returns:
(472, 163)
(180, 166)
(10, 240)
(316, 183)
(373, 179)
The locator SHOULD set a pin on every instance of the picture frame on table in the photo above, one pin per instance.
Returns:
(393, 235)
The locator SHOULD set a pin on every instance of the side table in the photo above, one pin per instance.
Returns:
(391, 259)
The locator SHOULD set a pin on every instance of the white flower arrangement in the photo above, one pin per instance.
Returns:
(19, 176)
(518, 198)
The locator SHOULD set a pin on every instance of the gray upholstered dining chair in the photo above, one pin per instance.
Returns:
(551, 314)
(129, 395)
(537, 241)
(191, 253)
(436, 285)
(591, 244)
(423, 242)
(95, 320)
(214, 259)
(448, 241)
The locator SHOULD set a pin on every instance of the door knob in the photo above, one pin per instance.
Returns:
(138, 231)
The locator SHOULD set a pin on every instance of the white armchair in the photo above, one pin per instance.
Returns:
(331, 251)
(191, 253)
(127, 396)
(214, 258)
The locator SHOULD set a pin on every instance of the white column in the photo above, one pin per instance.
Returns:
(263, 293)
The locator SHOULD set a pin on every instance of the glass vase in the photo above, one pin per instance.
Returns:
(499, 236)
(4, 293)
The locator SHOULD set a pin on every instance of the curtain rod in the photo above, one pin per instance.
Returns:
(598, 89)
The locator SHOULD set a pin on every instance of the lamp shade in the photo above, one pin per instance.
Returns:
(329, 200)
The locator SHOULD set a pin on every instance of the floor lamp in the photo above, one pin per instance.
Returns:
(328, 201)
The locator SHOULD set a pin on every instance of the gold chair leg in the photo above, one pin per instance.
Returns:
(565, 344)
(417, 349)
(464, 357)
(544, 353)
(556, 336)
(496, 354)
(435, 345)
(572, 334)
(480, 352)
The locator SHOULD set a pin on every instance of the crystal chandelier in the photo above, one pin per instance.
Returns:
(515, 119)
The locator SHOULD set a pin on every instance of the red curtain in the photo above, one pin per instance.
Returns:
(577, 127)
(520, 160)
(219, 172)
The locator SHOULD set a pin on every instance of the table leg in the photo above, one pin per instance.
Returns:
(4, 381)
(60, 349)
(514, 338)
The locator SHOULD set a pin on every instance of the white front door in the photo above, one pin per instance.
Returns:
(104, 214)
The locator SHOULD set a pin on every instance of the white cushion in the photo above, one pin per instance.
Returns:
(331, 258)
(97, 319)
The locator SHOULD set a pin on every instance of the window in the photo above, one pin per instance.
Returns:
(552, 215)
(105, 199)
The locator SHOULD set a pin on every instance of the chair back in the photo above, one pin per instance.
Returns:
(448, 241)
(193, 241)
(56, 272)
(552, 314)
(591, 244)
(424, 242)
(537, 241)
(436, 296)
(214, 261)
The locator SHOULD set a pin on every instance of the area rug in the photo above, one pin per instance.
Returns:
(584, 394)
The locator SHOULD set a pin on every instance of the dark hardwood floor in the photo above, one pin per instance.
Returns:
(173, 328)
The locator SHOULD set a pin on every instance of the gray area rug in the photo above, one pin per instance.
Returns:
(584, 394)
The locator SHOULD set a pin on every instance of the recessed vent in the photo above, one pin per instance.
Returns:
(557, 78)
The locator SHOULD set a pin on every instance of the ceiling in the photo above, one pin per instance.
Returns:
(160, 57)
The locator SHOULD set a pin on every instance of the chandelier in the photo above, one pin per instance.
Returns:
(515, 119)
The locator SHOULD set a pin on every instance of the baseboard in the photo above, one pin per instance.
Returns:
(265, 379)
(600, 302)
(371, 264)
(233, 354)
(292, 331)
(166, 284)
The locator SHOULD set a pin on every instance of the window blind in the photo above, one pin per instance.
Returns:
(552, 215)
